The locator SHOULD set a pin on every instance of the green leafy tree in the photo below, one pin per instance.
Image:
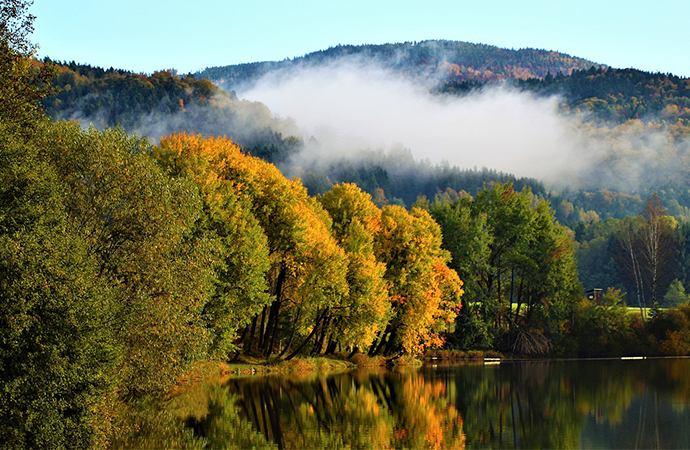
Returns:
(519, 266)
(466, 236)
(58, 351)
(23, 83)
(139, 225)
(676, 294)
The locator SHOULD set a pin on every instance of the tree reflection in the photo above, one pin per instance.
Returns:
(612, 403)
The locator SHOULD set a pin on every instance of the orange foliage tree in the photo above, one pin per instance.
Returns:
(425, 293)
(306, 268)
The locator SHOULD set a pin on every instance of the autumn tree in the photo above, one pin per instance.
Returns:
(356, 220)
(424, 292)
(307, 268)
(240, 291)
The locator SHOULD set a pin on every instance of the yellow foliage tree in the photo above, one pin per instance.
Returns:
(307, 268)
(425, 293)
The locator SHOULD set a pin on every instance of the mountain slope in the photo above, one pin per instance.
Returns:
(437, 59)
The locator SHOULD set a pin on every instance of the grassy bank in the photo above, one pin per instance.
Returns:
(461, 355)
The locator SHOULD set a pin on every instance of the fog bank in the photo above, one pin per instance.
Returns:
(350, 106)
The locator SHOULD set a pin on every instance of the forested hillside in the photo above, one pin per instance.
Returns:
(436, 60)
(610, 95)
(162, 103)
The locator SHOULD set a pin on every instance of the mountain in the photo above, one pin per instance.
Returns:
(452, 61)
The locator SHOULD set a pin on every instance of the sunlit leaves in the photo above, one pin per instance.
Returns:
(425, 294)
(241, 290)
(364, 312)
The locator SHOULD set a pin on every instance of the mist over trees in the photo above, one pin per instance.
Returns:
(163, 103)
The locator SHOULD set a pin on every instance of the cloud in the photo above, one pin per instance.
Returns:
(348, 106)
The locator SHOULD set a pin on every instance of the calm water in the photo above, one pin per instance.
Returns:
(561, 404)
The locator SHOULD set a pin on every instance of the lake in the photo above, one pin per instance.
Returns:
(515, 404)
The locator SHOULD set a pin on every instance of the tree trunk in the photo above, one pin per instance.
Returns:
(292, 334)
(303, 344)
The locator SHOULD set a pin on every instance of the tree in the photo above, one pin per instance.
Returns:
(675, 294)
(22, 84)
(519, 266)
(467, 238)
(365, 310)
(658, 248)
(628, 260)
(306, 277)
(58, 352)
(240, 288)
(646, 254)
(139, 225)
(424, 292)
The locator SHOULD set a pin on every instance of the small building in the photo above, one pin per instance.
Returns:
(594, 295)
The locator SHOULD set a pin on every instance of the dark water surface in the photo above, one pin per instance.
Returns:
(553, 404)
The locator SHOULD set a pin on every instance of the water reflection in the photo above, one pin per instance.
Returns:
(577, 404)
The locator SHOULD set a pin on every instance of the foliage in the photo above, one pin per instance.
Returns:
(424, 292)
(163, 103)
(57, 355)
(306, 277)
(511, 252)
(240, 286)
(451, 61)
(675, 294)
(603, 330)
(356, 220)
(621, 94)
(137, 223)
(22, 85)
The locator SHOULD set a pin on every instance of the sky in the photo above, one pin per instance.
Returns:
(150, 35)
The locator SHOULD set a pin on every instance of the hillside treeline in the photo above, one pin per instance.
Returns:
(396, 177)
(442, 60)
(619, 95)
(163, 103)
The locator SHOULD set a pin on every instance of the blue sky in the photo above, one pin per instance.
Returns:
(150, 35)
